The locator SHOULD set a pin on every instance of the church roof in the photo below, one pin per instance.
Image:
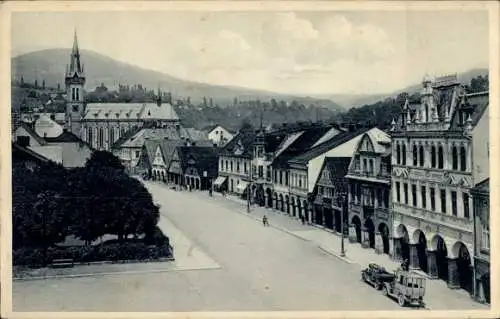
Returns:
(130, 111)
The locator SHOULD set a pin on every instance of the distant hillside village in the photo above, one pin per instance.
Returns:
(398, 176)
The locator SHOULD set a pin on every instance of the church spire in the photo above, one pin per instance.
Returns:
(75, 65)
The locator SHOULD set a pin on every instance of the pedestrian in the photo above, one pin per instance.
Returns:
(302, 218)
(265, 222)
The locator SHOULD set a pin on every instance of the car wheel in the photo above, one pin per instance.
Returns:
(401, 300)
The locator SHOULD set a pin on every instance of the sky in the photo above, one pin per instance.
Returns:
(301, 52)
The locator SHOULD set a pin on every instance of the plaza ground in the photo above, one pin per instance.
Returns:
(226, 260)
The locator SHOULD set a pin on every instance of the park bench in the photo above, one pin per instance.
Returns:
(63, 263)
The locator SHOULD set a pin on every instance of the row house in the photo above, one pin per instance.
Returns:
(306, 167)
(194, 165)
(481, 196)
(287, 185)
(439, 149)
(235, 162)
(330, 204)
(369, 179)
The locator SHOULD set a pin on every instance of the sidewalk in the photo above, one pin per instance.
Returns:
(438, 295)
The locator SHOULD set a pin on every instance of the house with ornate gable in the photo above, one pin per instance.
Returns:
(369, 195)
(440, 151)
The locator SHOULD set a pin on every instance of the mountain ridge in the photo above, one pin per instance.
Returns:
(50, 64)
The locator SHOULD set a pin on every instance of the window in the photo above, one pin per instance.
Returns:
(111, 135)
(398, 192)
(320, 190)
(245, 168)
(137, 154)
(77, 94)
(238, 166)
(281, 177)
(398, 154)
(300, 182)
(101, 137)
(73, 94)
(221, 165)
(440, 157)
(231, 164)
(286, 178)
(485, 236)
(90, 136)
(433, 156)
(421, 154)
(423, 196)
(268, 173)
(465, 198)
(405, 189)
(227, 166)
(414, 195)
(443, 201)
(404, 154)
(365, 165)
(433, 199)
(454, 158)
(415, 155)
(275, 176)
(261, 171)
(463, 159)
(454, 203)
(371, 167)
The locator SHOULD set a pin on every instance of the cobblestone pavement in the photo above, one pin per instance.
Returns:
(275, 268)
(438, 295)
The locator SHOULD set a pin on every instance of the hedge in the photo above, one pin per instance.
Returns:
(33, 257)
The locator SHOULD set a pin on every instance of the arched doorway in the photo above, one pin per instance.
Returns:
(384, 233)
(441, 257)
(299, 208)
(275, 201)
(281, 203)
(404, 241)
(287, 203)
(259, 195)
(370, 230)
(464, 268)
(357, 225)
(293, 206)
(421, 243)
(269, 197)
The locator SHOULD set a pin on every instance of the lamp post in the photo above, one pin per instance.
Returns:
(341, 201)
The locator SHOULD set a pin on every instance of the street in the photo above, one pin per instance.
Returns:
(239, 265)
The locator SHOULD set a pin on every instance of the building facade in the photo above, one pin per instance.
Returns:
(369, 177)
(432, 174)
(219, 135)
(481, 196)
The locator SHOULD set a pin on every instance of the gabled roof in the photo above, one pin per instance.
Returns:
(338, 140)
(67, 137)
(23, 153)
(128, 134)
(338, 168)
(167, 149)
(206, 158)
(240, 144)
(301, 144)
(32, 133)
(478, 102)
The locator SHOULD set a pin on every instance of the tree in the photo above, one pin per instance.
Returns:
(101, 159)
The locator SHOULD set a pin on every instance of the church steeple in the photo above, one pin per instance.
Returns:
(75, 66)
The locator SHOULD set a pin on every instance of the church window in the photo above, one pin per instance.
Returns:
(405, 190)
(424, 197)
(465, 198)
(398, 192)
(415, 155)
(414, 195)
(454, 158)
(440, 157)
(454, 209)
(403, 151)
(73, 94)
(421, 154)
(443, 201)
(463, 159)
(111, 135)
(101, 137)
(433, 198)
(433, 156)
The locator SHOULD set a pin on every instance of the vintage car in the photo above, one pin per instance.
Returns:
(407, 288)
(376, 275)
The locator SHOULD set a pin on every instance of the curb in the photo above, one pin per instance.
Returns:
(127, 272)
(328, 251)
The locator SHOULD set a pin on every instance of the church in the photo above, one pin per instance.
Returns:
(102, 124)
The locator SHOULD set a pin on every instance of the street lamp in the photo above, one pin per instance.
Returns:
(341, 198)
